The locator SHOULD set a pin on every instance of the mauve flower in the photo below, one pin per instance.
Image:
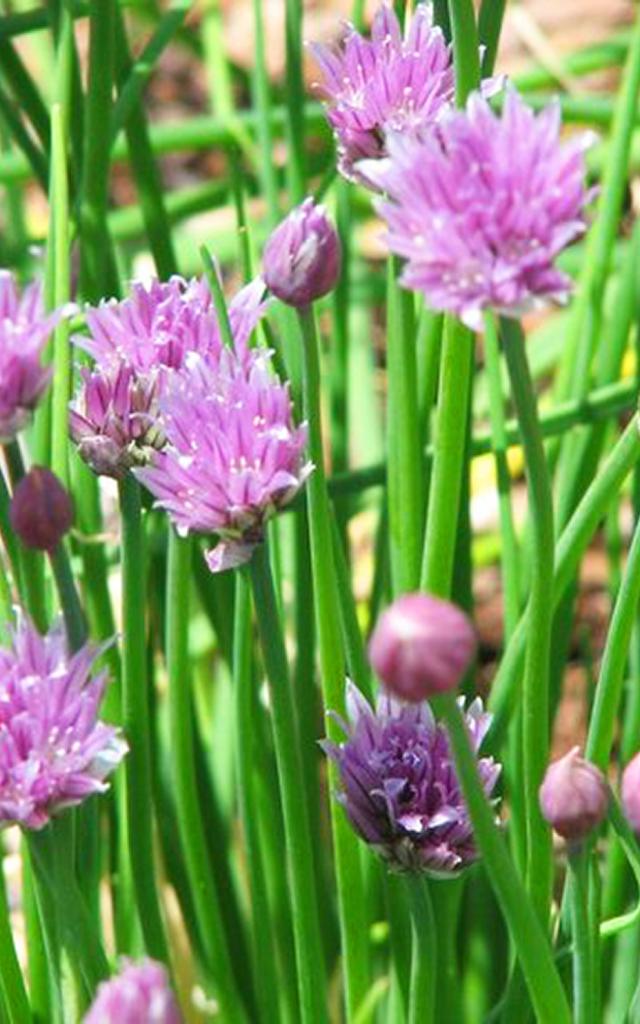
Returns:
(41, 510)
(302, 256)
(387, 84)
(421, 646)
(160, 323)
(234, 455)
(631, 793)
(140, 994)
(115, 420)
(24, 331)
(574, 796)
(54, 752)
(399, 784)
(481, 208)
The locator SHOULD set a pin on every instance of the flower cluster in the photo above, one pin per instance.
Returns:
(137, 344)
(54, 752)
(387, 84)
(481, 208)
(233, 456)
(399, 785)
(24, 331)
(139, 994)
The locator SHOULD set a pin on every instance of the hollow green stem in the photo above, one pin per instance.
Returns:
(14, 993)
(59, 266)
(311, 971)
(535, 686)
(423, 952)
(135, 719)
(466, 50)
(583, 1007)
(72, 610)
(332, 673)
(190, 822)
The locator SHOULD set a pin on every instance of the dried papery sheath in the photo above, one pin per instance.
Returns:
(481, 209)
(24, 331)
(139, 994)
(302, 256)
(399, 786)
(54, 751)
(574, 796)
(390, 83)
(234, 455)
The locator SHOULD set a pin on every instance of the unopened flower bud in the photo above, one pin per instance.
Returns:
(574, 796)
(631, 793)
(421, 646)
(41, 510)
(302, 256)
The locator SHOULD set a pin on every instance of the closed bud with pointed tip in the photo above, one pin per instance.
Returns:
(631, 793)
(302, 256)
(421, 646)
(574, 796)
(41, 510)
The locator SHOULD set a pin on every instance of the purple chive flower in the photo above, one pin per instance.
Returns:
(234, 455)
(302, 256)
(140, 994)
(481, 208)
(54, 752)
(24, 331)
(631, 793)
(159, 324)
(386, 84)
(421, 646)
(399, 785)
(115, 419)
(574, 796)
(41, 510)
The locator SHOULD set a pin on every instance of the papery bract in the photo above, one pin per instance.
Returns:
(139, 994)
(54, 751)
(302, 256)
(399, 786)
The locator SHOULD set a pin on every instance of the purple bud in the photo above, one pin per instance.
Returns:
(302, 256)
(139, 993)
(574, 796)
(421, 646)
(41, 510)
(631, 793)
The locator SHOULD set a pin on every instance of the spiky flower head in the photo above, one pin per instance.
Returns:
(234, 455)
(139, 994)
(390, 83)
(421, 646)
(24, 331)
(574, 796)
(481, 208)
(302, 256)
(54, 751)
(399, 784)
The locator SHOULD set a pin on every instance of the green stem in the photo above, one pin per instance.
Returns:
(12, 985)
(190, 822)
(72, 611)
(244, 710)
(423, 951)
(466, 49)
(295, 94)
(535, 686)
(449, 458)
(403, 437)
(332, 673)
(311, 971)
(583, 1008)
(59, 267)
(135, 719)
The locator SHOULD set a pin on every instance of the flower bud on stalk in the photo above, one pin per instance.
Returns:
(41, 510)
(421, 646)
(302, 257)
(574, 796)
(631, 793)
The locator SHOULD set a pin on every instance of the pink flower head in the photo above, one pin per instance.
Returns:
(54, 752)
(159, 324)
(234, 455)
(399, 785)
(24, 331)
(114, 419)
(140, 994)
(482, 208)
(386, 84)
